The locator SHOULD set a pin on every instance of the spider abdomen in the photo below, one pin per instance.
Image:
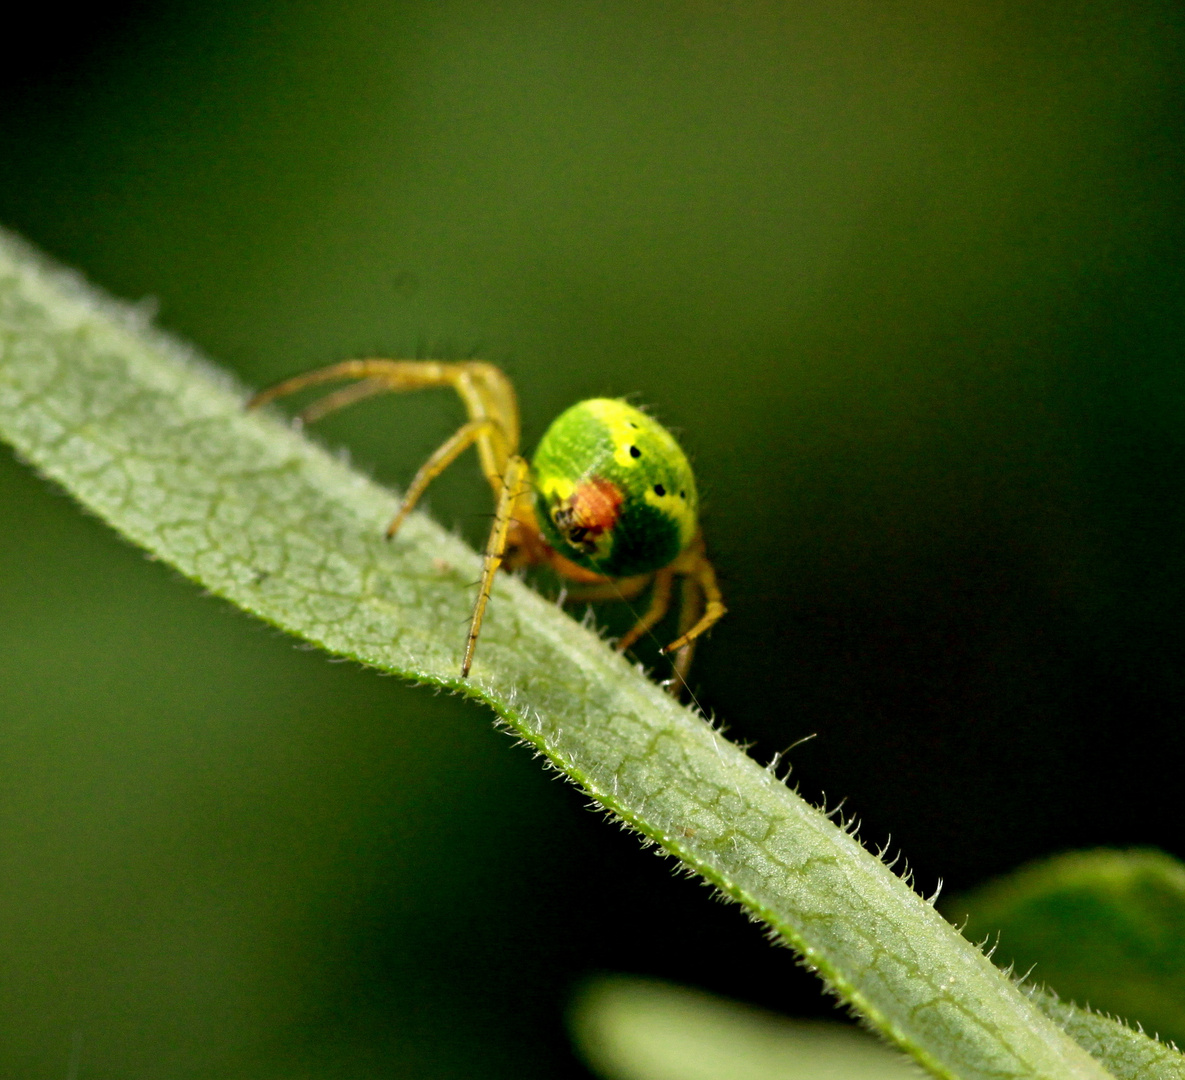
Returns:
(614, 492)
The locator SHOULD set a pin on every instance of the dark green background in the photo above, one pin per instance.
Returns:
(907, 277)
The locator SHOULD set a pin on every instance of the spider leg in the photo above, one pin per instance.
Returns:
(691, 606)
(485, 391)
(448, 452)
(701, 571)
(514, 486)
(339, 399)
(660, 604)
(620, 589)
(346, 369)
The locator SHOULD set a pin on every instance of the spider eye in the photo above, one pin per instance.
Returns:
(635, 452)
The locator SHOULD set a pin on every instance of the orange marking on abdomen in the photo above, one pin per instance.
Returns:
(591, 510)
(596, 504)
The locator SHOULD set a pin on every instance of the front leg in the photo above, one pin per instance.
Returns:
(514, 488)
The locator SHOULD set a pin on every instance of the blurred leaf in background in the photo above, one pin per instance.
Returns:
(637, 1029)
(908, 281)
(1100, 928)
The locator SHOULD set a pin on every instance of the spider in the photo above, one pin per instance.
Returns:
(610, 502)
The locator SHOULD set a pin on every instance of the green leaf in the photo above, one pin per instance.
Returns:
(1104, 927)
(637, 1029)
(1130, 1055)
(157, 443)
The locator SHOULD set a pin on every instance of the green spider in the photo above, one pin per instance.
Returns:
(610, 503)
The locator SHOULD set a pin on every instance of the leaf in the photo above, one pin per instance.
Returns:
(155, 442)
(628, 1028)
(1129, 1054)
(1104, 927)
(638, 1029)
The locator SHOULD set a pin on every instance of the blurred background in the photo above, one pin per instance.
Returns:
(907, 280)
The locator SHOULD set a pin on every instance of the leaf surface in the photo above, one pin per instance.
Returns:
(1101, 927)
(157, 443)
(638, 1029)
